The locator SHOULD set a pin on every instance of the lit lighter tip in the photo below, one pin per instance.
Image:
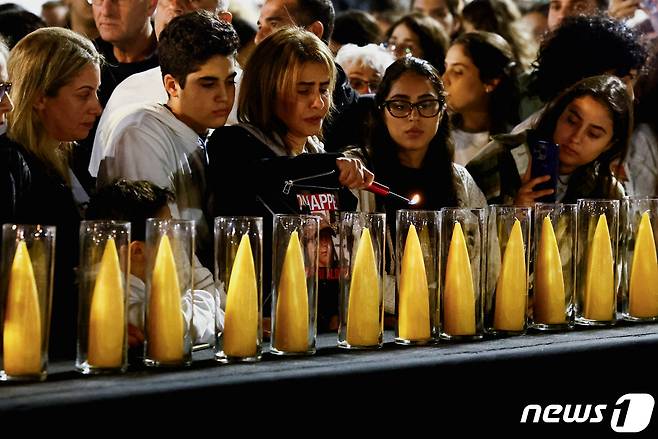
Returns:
(415, 199)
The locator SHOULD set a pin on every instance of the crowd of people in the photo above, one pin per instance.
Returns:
(296, 106)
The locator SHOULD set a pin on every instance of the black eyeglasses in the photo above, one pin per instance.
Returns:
(426, 108)
(5, 87)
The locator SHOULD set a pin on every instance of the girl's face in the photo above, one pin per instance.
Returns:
(412, 132)
(584, 130)
(403, 41)
(465, 90)
(304, 111)
(71, 113)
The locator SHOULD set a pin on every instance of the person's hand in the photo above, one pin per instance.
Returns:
(620, 9)
(135, 336)
(526, 196)
(353, 174)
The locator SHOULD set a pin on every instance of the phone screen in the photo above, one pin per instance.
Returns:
(545, 161)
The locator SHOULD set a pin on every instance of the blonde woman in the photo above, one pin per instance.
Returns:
(55, 76)
(273, 161)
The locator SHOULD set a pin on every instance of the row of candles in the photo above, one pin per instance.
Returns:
(460, 273)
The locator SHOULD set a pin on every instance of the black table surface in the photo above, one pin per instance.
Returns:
(501, 374)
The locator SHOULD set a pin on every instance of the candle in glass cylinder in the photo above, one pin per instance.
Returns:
(22, 326)
(600, 278)
(459, 293)
(106, 318)
(511, 289)
(241, 319)
(165, 320)
(643, 288)
(291, 318)
(549, 300)
(414, 308)
(363, 310)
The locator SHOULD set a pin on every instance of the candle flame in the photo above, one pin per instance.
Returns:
(415, 199)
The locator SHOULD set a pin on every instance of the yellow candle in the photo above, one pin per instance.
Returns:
(363, 310)
(106, 320)
(165, 319)
(241, 320)
(643, 289)
(600, 280)
(414, 307)
(511, 289)
(550, 302)
(459, 293)
(22, 329)
(291, 318)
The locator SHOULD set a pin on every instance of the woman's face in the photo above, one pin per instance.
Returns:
(404, 41)
(363, 79)
(304, 111)
(412, 132)
(583, 131)
(71, 113)
(465, 90)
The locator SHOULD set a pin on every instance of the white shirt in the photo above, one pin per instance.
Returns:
(150, 143)
(467, 145)
(201, 310)
(135, 91)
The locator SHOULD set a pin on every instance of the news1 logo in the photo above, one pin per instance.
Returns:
(630, 414)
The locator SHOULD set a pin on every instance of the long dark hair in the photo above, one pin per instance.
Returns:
(610, 92)
(437, 169)
(503, 18)
(432, 37)
(494, 59)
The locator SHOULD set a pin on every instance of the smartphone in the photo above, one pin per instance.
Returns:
(545, 161)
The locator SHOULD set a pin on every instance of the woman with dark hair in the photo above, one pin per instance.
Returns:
(483, 96)
(410, 143)
(421, 36)
(591, 122)
(411, 151)
(503, 18)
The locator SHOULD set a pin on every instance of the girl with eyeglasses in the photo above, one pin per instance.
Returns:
(411, 151)
(55, 74)
(410, 145)
(418, 35)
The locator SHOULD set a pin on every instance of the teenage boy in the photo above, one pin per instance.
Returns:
(165, 144)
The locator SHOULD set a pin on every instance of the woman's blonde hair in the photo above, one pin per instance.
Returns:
(39, 65)
(272, 72)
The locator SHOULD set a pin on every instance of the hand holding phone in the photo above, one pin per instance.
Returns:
(545, 161)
